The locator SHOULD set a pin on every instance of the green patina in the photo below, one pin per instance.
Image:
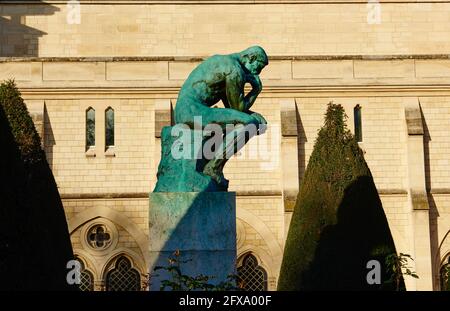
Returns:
(218, 78)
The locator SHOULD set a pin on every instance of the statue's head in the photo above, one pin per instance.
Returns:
(254, 59)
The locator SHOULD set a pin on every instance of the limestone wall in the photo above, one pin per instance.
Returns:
(130, 169)
(146, 29)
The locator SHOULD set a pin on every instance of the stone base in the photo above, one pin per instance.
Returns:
(201, 225)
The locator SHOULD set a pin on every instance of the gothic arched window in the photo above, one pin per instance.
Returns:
(251, 276)
(445, 276)
(109, 127)
(123, 277)
(86, 277)
(358, 123)
(90, 127)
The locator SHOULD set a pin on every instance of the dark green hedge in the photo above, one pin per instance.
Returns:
(22, 126)
(338, 223)
(34, 239)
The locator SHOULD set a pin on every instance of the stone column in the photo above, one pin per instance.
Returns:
(420, 219)
(99, 285)
(162, 118)
(36, 110)
(289, 157)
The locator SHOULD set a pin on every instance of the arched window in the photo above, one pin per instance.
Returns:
(445, 276)
(109, 127)
(251, 276)
(86, 277)
(358, 124)
(90, 127)
(123, 277)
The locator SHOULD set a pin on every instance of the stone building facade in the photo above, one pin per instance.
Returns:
(117, 67)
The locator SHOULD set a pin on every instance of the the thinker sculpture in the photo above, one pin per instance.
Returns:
(218, 78)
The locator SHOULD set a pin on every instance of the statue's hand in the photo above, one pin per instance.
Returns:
(255, 82)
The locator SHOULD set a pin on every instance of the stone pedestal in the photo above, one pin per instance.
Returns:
(201, 225)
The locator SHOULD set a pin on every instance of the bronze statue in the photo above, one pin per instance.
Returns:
(218, 78)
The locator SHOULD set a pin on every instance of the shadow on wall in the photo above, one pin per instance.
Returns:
(434, 213)
(49, 138)
(16, 38)
(301, 142)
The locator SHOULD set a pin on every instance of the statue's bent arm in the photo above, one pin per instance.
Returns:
(250, 98)
(235, 93)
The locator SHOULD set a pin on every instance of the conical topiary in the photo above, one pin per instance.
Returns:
(338, 224)
(34, 240)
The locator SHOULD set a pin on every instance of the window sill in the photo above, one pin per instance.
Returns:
(90, 153)
(110, 152)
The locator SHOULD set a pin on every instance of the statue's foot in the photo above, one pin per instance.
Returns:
(217, 176)
(260, 123)
(222, 182)
(259, 118)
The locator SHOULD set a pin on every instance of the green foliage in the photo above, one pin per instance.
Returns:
(445, 278)
(21, 124)
(338, 223)
(178, 281)
(397, 267)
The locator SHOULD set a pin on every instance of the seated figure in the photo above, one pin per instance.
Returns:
(218, 78)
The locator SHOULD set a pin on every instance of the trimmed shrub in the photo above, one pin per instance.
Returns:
(338, 224)
(21, 124)
(34, 240)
